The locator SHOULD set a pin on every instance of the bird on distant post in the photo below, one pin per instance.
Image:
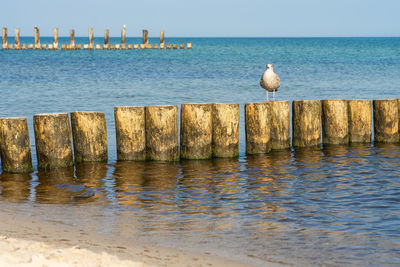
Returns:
(270, 81)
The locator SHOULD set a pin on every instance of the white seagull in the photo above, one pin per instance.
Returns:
(270, 81)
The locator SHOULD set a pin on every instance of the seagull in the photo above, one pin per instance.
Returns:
(270, 81)
(124, 26)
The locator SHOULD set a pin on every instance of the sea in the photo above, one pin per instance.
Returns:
(330, 206)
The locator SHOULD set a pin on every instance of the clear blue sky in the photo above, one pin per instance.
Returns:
(253, 18)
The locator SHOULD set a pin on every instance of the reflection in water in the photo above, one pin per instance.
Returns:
(335, 206)
(15, 187)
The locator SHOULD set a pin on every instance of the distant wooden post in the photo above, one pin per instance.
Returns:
(257, 124)
(106, 39)
(162, 39)
(386, 120)
(53, 140)
(91, 43)
(196, 131)
(89, 133)
(4, 40)
(175, 46)
(335, 122)
(16, 39)
(280, 124)
(145, 37)
(162, 133)
(15, 148)
(225, 130)
(55, 38)
(360, 121)
(131, 133)
(306, 123)
(123, 38)
(72, 39)
(189, 45)
(37, 38)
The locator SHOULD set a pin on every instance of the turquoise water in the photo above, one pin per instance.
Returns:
(335, 206)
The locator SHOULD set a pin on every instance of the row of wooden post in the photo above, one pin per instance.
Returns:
(90, 46)
(206, 131)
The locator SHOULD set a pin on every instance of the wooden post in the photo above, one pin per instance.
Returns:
(189, 45)
(257, 126)
(4, 40)
(30, 46)
(91, 43)
(37, 38)
(175, 46)
(15, 148)
(72, 39)
(23, 46)
(123, 38)
(225, 130)
(98, 46)
(169, 46)
(162, 39)
(145, 37)
(386, 120)
(130, 131)
(135, 46)
(280, 124)
(162, 133)
(90, 136)
(196, 131)
(55, 38)
(53, 140)
(360, 121)
(182, 46)
(106, 39)
(335, 122)
(306, 123)
(16, 39)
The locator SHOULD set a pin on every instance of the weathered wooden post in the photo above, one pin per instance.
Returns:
(123, 38)
(189, 45)
(225, 130)
(131, 133)
(280, 124)
(386, 120)
(335, 122)
(89, 133)
(306, 123)
(53, 140)
(145, 36)
(16, 39)
(182, 46)
(257, 124)
(72, 39)
(360, 121)
(162, 133)
(162, 39)
(15, 148)
(175, 46)
(37, 38)
(55, 38)
(4, 40)
(91, 43)
(196, 131)
(106, 39)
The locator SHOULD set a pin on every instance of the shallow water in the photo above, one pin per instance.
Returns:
(337, 205)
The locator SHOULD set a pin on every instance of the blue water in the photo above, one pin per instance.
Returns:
(335, 206)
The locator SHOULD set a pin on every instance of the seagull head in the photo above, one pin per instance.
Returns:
(269, 67)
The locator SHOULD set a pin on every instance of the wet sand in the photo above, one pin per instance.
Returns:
(28, 242)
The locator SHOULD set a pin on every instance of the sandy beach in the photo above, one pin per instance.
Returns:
(28, 242)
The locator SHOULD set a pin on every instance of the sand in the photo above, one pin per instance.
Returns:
(28, 242)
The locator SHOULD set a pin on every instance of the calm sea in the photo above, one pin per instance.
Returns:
(335, 206)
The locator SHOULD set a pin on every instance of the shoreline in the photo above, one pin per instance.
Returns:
(25, 241)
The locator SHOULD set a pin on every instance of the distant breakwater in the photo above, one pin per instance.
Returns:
(90, 45)
(208, 130)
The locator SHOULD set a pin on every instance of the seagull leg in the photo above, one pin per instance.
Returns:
(267, 94)
(273, 96)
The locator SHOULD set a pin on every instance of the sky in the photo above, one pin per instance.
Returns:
(206, 18)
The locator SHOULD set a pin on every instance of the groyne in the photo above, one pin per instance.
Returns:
(88, 46)
(207, 130)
